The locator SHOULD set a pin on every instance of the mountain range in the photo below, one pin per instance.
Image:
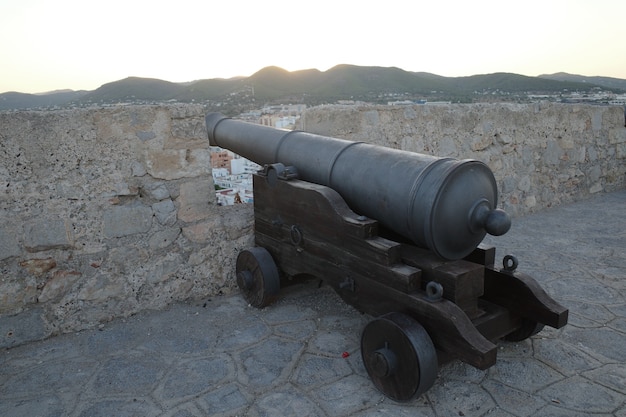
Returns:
(312, 87)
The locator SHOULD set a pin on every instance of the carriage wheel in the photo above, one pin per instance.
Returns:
(257, 276)
(399, 356)
(527, 329)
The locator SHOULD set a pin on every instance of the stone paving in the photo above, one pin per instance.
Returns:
(222, 357)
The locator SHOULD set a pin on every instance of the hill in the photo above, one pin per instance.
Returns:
(312, 87)
(607, 82)
(14, 100)
(133, 88)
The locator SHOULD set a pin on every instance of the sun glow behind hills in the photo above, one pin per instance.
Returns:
(82, 45)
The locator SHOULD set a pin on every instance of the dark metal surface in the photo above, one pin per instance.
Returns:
(257, 276)
(399, 356)
(443, 204)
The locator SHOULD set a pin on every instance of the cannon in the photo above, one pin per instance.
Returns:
(398, 235)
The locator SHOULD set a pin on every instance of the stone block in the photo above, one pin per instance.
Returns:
(596, 120)
(46, 234)
(164, 268)
(9, 245)
(200, 232)
(596, 188)
(229, 224)
(196, 200)
(27, 326)
(165, 212)
(38, 266)
(617, 135)
(16, 293)
(480, 143)
(172, 164)
(58, 285)
(553, 153)
(101, 288)
(164, 238)
(145, 135)
(127, 220)
(188, 133)
(156, 191)
(137, 169)
(524, 183)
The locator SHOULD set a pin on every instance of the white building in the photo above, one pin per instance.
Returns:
(235, 186)
(243, 166)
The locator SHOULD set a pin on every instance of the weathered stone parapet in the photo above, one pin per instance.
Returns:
(542, 154)
(106, 212)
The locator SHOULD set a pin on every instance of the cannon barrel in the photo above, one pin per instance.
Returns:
(442, 204)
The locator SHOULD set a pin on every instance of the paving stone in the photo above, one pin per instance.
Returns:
(525, 374)
(195, 376)
(160, 342)
(391, 409)
(612, 376)
(227, 399)
(263, 364)
(579, 394)
(27, 326)
(286, 313)
(287, 403)
(514, 401)
(562, 356)
(128, 374)
(246, 334)
(48, 351)
(599, 343)
(220, 356)
(554, 410)
(314, 370)
(334, 343)
(347, 395)
(121, 408)
(110, 339)
(461, 371)
(42, 406)
(51, 377)
(596, 312)
(300, 330)
(456, 398)
(186, 410)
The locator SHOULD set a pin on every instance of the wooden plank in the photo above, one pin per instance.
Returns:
(484, 255)
(496, 322)
(333, 263)
(294, 200)
(521, 294)
(319, 214)
(462, 281)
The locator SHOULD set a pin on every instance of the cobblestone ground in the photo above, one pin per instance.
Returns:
(221, 357)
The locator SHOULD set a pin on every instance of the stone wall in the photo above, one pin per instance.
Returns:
(106, 212)
(542, 154)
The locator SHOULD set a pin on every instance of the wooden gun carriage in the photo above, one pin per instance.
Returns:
(398, 236)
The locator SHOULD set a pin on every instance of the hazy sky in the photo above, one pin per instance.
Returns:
(79, 44)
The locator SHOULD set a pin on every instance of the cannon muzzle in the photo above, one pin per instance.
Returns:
(442, 204)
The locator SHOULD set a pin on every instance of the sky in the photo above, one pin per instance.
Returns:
(48, 45)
